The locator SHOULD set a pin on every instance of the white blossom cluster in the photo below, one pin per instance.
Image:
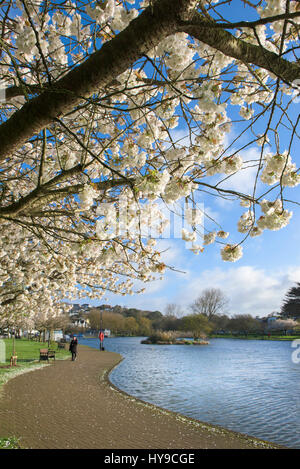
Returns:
(279, 168)
(87, 197)
(232, 253)
(209, 238)
(246, 222)
(35, 280)
(274, 216)
(187, 236)
(153, 184)
(277, 7)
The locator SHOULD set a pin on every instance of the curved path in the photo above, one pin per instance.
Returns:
(72, 405)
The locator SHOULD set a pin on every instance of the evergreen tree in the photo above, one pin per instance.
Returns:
(291, 303)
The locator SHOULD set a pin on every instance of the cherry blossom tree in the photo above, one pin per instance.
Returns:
(92, 97)
(282, 325)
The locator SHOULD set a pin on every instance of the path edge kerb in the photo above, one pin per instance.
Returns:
(258, 443)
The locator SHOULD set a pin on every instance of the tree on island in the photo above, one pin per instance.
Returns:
(198, 324)
(112, 112)
(291, 303)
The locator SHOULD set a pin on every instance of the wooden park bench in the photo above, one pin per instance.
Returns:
(45, 354)
(13, 360)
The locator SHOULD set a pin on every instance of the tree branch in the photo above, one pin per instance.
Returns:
(209, 33)
(143, 33)
(31, 199)
(250, 24)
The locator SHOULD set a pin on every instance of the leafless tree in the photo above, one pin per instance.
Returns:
(173, 309)
(211, 302)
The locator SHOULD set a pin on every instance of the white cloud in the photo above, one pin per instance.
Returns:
(250, 290)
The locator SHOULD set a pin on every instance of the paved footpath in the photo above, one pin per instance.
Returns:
(72, 405)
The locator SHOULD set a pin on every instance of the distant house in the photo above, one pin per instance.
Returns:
(271, 320)
(55, 335)
(79, 309)
(81, 322)
(75, 309)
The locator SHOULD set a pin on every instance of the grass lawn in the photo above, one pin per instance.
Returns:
(255, 337)
(28, 352)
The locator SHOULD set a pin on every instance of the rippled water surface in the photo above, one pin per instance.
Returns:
(248, 386)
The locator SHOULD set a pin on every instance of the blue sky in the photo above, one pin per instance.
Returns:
(256, 283)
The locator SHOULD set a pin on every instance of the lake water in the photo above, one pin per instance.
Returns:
(249, 386)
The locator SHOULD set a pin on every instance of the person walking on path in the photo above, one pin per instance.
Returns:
(73, 348)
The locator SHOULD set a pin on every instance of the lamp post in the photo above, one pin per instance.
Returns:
(13, 358)
(101, 334)
(14, 343)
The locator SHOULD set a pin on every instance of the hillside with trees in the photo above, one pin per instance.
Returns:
(206, 315)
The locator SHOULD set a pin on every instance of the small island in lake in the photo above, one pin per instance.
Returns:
(169, 338)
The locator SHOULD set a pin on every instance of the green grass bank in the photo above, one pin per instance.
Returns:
(254, 337)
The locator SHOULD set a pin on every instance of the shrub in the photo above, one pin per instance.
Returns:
(163, 336)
